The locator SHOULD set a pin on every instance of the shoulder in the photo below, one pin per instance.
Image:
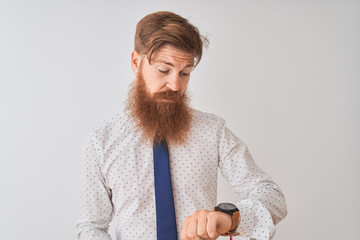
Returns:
(108, 128)
(211, 120)
(206, 117)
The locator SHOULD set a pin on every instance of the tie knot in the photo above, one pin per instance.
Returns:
(158, 144)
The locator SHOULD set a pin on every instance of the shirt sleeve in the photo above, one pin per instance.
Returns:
(96, 208)
(262, 203)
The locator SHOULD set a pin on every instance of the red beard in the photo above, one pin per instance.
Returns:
(157, 120)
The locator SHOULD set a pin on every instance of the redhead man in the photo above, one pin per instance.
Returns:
(123, 179)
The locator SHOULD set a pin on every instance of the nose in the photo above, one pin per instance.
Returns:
(174, 83)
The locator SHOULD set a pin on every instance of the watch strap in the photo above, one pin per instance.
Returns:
(234, 223)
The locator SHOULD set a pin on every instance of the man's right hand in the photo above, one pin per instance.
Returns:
(206, 225)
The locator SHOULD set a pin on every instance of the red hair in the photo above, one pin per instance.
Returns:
(159, 28)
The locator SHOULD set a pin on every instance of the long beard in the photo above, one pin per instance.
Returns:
(157, 120)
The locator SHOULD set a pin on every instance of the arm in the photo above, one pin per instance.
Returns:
(262, 204)
(96, 208)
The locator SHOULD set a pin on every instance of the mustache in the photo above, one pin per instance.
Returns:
(168, 95)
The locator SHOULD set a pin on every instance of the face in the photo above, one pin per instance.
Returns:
(157, 101)
(170, 69)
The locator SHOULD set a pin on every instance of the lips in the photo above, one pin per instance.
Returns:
(167, 96)
(169, 99)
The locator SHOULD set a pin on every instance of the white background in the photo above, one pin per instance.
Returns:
(284, 75)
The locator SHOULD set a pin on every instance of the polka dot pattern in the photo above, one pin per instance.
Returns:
(117, 182)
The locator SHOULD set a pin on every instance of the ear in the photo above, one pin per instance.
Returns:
(135, 60)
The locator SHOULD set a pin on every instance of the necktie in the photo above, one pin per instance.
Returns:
(165, 210)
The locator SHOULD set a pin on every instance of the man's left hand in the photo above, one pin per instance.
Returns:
(205, 225)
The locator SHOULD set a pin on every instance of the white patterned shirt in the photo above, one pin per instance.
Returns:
(117, 180)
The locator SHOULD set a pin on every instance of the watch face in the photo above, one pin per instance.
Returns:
(227, 206)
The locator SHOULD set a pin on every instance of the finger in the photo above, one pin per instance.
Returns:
(201, 226)
(211, 226)
(184, 229)
(192, 228)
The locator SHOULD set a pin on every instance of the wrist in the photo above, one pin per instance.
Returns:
(233, 213)
(229, 222)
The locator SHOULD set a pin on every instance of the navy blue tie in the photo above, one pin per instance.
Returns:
(165, 210)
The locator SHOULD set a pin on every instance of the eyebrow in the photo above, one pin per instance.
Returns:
(170, 64)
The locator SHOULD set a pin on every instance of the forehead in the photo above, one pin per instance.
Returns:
(172, 56)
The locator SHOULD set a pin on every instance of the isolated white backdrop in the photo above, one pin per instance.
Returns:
(284, 75)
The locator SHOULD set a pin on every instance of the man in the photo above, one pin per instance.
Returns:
(123, 178)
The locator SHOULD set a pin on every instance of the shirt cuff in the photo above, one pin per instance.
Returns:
(255, 221)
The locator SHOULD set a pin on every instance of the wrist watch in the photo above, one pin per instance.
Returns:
(233, 211)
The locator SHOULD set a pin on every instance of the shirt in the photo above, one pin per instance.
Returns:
(117, 180)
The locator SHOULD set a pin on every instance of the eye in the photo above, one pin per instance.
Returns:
(163, 71)
(185, 74)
